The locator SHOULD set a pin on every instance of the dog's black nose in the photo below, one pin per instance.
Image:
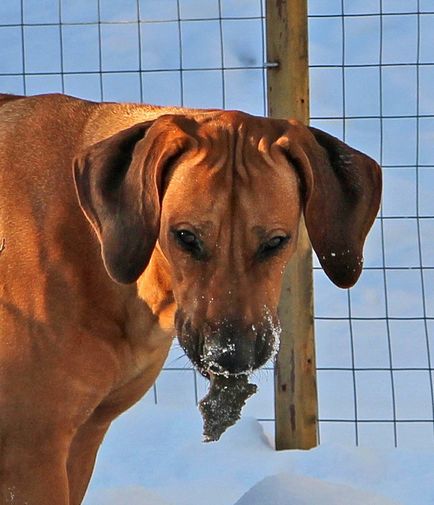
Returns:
(228, 348)
(228, 362)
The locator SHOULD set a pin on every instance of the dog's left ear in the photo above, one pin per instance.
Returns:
(119, 183)
(341, 189)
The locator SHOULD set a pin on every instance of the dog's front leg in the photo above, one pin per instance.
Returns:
(33, 469)
(81, 459)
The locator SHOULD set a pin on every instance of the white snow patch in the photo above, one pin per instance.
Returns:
(156, 452)
(291, 489)
(131, 496)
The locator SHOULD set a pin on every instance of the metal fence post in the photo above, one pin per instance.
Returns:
(295, 374)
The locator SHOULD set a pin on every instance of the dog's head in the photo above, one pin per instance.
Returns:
(222, 194)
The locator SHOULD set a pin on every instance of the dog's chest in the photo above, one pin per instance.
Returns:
(140, 360)
(145, 343)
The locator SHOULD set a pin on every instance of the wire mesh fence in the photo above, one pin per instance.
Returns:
(372, 75)
(180, 52)
(372, 86)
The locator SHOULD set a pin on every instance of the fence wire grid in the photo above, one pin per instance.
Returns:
(371, 78)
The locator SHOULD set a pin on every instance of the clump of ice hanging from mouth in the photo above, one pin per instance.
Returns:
(228, 393)
(221, 407)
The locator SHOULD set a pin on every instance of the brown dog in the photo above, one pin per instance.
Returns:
(195, 212)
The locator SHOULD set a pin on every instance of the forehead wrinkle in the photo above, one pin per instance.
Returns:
(242, 147)
(259, 152)
(220, 164)
(264, 148)
(217, 150)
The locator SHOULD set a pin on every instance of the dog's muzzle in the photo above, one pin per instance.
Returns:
(228, 347)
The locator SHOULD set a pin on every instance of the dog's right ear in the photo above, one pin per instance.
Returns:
(119, 186)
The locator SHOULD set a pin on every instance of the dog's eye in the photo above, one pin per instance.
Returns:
(186, 237)
(272, 245)
(275, 242)
(189, 242)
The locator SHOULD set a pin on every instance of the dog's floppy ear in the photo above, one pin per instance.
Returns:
(119, 186)
(341, 191)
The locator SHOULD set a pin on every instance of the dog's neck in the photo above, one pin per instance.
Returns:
(155, 288)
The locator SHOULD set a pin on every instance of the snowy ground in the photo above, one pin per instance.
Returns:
(153, 455)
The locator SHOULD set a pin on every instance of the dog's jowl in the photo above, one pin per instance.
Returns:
(122, 225)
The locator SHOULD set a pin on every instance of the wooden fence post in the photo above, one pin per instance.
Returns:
(296, 406)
